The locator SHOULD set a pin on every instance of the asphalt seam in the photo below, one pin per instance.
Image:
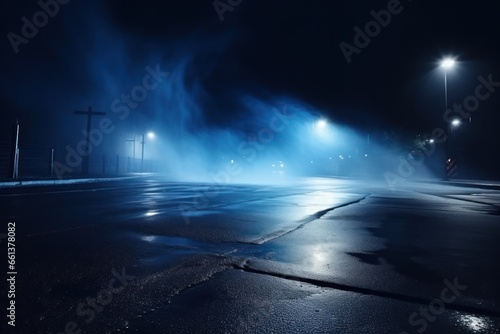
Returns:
(303, 222)
(367, 291)
(467, 200)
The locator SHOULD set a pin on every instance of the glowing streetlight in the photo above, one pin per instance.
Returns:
(447, 64)
(455, 122)
(151, 135)
(322, 128)
(321, 124)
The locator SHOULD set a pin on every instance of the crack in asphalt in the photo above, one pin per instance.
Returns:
(466, 200)
(366, 291)
(494, 206)
(303, 222)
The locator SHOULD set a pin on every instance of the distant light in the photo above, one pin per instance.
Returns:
(456, 122)
(330, 158)
(148, 238)
(447, 63)
(366, 155)
(282, 165)
(349, 157)
(312, 161)
(431, 141)
(321, 124)
(232, 161)
(151, 135)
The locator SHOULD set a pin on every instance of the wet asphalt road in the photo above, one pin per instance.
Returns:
(310, 255)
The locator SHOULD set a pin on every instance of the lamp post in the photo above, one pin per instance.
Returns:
(150, 135)
(446, 64)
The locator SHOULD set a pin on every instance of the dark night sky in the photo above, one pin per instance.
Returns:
(268, 48)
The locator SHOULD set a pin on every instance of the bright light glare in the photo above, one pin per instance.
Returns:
(151, 135)
(150, 213)
(321, 124)
(455, 122)
(476, 324)
(447, 63)
(323, 129)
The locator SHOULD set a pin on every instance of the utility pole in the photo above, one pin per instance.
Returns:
(15, 153)
(89, 113)
(142, 154)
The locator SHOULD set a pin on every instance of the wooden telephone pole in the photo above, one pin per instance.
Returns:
(89, 113)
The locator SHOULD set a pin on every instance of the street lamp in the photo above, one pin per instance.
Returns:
(151, 135)
(321, 128)
(447, 64)
(321, 124)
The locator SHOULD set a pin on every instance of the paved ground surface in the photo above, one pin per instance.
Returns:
(311, 255)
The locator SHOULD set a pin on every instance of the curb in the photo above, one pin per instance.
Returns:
(59, 182)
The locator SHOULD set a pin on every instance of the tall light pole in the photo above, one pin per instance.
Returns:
(446, 64)
(150, 135)
(89, 113)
